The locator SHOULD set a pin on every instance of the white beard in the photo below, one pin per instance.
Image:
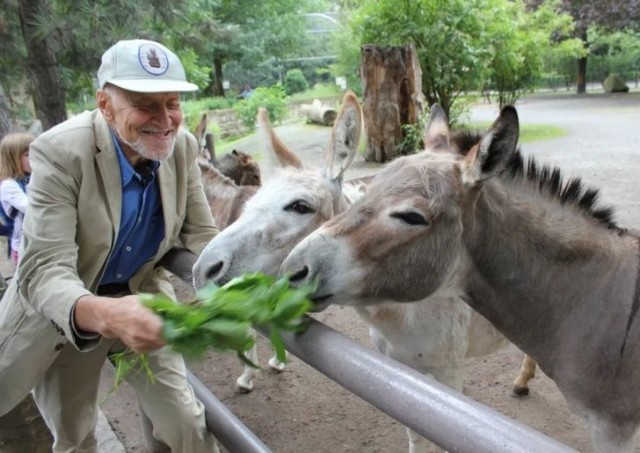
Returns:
(143, 150)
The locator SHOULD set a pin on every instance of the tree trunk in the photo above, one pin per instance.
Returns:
(218, 89)
(46, 87)
(581, 82)
(392, 97)
(6, 120)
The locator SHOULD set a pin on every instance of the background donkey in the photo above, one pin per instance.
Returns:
(433, 336)
(240, 167)
(536, 256)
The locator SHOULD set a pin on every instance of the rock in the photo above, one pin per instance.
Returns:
(614, 84)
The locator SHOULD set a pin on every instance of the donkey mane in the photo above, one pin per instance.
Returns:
(548, 179)
(573, 191)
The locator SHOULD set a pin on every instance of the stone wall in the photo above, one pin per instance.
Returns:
(229, 125)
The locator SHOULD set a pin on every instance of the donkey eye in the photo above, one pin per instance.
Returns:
(412, 218)
(299, 206)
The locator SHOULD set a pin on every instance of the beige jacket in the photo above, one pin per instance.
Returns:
(75, 197)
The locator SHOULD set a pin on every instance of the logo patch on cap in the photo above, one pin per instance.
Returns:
(153, 59)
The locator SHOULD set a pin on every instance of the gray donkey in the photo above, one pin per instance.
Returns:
(534, 255)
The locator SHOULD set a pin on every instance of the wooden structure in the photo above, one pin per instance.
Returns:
(392, 96)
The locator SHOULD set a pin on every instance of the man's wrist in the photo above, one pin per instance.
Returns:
(77, 331)
(86, 316)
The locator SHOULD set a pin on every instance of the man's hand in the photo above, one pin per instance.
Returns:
(120, 317)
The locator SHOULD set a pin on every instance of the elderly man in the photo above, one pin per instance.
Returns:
(111, 192)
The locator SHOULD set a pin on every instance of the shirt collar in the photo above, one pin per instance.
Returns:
(126, 169)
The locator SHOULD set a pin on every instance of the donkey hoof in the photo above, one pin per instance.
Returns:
(243, 386)
(276, 365)
(519, 390)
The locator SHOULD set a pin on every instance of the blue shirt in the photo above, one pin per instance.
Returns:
(141, 220)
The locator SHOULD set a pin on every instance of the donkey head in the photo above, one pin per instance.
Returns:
(292, 203)
(403, 239)
(240, 167)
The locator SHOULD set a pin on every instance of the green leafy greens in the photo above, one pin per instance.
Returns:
(220, 318)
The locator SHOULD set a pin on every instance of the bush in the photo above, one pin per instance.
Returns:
(295, 82)
(274, 99)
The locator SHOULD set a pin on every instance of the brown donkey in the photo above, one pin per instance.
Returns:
(239, 166)
(536, 256)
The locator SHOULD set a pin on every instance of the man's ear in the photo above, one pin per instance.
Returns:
(103, 100)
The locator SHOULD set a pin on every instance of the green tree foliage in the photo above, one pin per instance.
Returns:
(295, 82)
(251, 33)
(13, 53)
(204, 33)
(462, 45)
(449, 36)
(611, 16)
(520, 43)
(617, 52)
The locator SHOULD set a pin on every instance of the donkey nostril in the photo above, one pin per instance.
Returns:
(300, 275)
(213, 270)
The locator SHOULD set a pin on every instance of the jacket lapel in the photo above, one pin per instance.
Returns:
(107, 161)
(168, 184)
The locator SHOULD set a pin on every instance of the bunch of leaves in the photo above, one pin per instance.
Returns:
(274, 99)
(220, 318)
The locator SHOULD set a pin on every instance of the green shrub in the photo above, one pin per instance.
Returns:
(274, 99)
(295, 82)
(411, 142)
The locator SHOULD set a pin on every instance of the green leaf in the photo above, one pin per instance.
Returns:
(220, 319)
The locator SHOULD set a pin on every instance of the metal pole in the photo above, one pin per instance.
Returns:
(446, 417)
(223, 424)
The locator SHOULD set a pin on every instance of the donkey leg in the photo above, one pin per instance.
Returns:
(417, 443)
(451, 376)
(527, 372)
(244, 384)
(276, 364)
(608, 436)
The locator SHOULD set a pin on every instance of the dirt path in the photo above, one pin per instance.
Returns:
(300, 410)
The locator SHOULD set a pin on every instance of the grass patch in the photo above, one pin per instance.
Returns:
(528, 132)
(226, 146)
(318, 91)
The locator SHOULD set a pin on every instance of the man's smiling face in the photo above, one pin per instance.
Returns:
(145, 123)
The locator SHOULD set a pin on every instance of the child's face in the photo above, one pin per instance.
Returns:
(24, 161)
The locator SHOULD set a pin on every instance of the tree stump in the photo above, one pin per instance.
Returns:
(318, 113)
(392, 97)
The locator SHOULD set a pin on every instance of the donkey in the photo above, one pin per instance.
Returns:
(239, 166)
(433, 336)
(281, 159)
(538, 257)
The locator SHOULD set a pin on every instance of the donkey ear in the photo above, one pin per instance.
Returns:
(491, 156)
(277, 153)
(201, 130)
(345, 137)
(200, 134)
(436, 133)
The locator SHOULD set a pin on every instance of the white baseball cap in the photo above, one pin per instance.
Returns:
(144, 67)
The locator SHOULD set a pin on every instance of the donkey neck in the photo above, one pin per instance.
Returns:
(540, 267)
(225, 198)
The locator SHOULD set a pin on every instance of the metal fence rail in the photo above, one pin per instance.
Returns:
(435, 411)
(234, 435)
(446, 417)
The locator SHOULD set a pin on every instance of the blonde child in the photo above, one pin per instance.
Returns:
(14, 175)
